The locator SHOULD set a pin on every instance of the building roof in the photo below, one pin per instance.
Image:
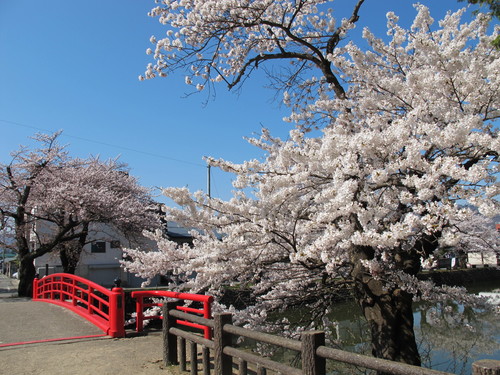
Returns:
(174, 230)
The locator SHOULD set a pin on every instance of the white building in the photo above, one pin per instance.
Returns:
(482, 259)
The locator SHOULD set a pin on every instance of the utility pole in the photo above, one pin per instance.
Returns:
(209, 192)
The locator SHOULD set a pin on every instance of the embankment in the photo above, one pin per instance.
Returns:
(464, 277)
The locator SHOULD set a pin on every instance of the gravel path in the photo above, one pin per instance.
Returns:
(133, 355)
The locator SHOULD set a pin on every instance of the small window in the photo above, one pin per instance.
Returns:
(98, 247)
(115, 244)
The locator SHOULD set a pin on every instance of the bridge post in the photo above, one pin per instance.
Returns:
(207, 314)
(35, 287)
(117, 313)
(139, 306)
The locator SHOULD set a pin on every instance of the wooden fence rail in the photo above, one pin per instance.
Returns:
(311, 347)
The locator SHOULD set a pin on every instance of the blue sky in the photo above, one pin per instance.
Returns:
(74, 66)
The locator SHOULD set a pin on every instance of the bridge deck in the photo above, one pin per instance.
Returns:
(24, 320)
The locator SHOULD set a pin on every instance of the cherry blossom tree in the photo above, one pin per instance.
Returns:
(407, 137)
(476, 234)
(52, 201)
(93, 191)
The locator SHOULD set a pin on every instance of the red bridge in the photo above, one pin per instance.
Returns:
(106, 308)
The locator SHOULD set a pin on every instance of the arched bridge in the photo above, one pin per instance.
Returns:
(26, 322)
(106, 308)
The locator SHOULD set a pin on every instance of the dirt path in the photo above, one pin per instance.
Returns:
(133, 355)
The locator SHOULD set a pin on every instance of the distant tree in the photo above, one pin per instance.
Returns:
(406, 134)
(53, 200)
(95, 192)
(477, 234)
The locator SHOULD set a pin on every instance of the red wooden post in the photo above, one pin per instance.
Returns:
(35, 287)
(207, 314)
(74, 292)
(139, 314)
(44, 288)
(116, 313)
(90, 291)
(51, 287)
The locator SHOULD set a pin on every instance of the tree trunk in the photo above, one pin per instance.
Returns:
(71, 251)
(27, 273)
(388, 309)
(67, 261)
(390, 317)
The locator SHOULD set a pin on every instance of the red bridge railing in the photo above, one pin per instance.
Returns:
(205, 311)
(100, 306)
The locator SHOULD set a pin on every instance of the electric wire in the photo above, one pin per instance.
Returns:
(63, 134)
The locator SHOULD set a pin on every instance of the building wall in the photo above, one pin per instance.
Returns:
(482, 259)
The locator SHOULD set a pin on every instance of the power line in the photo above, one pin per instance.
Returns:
(107, 144)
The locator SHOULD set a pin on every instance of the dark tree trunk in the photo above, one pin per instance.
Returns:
(390, 317)
(388, 309)
(27, 273)
(71, 251)
(67, 260)
(27, 269)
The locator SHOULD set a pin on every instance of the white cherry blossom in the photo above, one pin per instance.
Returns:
(405, 142)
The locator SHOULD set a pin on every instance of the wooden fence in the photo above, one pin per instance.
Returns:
(220, 355)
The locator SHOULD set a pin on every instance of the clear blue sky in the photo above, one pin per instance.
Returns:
(74, 66)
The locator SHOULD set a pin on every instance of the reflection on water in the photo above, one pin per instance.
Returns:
(452, 336)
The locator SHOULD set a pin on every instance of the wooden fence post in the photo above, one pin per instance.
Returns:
(486, 367)
(193, 351)
(205, 352)
(182, 353)
(169, 340)
(223, 363)
(311, 363)
(242, 367)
